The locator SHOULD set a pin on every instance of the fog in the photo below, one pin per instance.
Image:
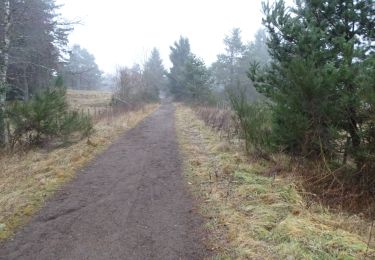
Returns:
(124, 32)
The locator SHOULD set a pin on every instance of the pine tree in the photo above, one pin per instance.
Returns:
(189, 76)
(257, 50)
(196, 80)
(32, 37)
(81, 70)
(154, 75)
(179, 56)
(319, 49)
(228, 69)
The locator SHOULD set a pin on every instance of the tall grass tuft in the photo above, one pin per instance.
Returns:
(255, 121)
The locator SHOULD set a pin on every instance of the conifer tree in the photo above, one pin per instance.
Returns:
(154, 75)
(179, 56)
(321, 52)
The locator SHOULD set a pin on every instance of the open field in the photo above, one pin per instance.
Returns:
(88, 99)
(254, 214)
(28, 179)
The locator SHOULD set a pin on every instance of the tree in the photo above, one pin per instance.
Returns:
(179, 56)
(196, 80)
(31, 38)
(38, 36)
(81, 70)
(189, 77)
(229, 72)
(134, 85)
(235, 51)
(320, 51)
(5, 40)
(4, 61)
(257, 51)
(154, 75)
(129, 85)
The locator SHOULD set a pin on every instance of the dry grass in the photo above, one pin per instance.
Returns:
(252, 216)
(88, 99)
(26, 180)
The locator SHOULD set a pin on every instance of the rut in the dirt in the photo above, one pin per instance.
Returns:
(129, 203)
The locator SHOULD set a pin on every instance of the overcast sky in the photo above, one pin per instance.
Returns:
(122, 32)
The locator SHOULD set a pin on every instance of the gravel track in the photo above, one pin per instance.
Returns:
(129, 203)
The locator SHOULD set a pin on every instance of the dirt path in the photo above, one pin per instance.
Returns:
(129, 203)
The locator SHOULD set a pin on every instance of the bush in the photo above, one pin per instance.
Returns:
(75, 122)
(44, 117)
(254, 120)
(219, 119)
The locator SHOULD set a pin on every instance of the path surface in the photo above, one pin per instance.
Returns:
(129, 203)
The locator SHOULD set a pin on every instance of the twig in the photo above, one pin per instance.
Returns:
(369, 238)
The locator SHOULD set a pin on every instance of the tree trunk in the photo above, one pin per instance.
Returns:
(355, 140)
(4, 61)
(25, 84)
(5, 42)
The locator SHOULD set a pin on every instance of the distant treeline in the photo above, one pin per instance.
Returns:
(190, 79)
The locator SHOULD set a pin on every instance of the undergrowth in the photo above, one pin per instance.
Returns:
(322, 179)
(253, 212)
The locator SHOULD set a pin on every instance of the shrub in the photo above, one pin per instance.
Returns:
(75, 122)
(254, 120)
(44, 117)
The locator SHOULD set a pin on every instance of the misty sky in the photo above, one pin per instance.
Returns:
(121, 32)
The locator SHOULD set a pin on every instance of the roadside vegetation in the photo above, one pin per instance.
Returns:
(54, 116)
(255, 211)
(299, 102)
(320, 93)
(304, 87)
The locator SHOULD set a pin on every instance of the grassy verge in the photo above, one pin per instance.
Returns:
(26, 180)
(252, 216)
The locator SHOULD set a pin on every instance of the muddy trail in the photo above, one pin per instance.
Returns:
(128, 203)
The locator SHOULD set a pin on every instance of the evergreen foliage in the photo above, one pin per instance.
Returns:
(43, 117)
(230, 68)
(189, 78)
(179, 56)
(254, 121)
(321, 79)
(81, 70)
(136, 85)
(154, 76)
(196, 80)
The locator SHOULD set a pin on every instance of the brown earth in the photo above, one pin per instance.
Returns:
(128, 203)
